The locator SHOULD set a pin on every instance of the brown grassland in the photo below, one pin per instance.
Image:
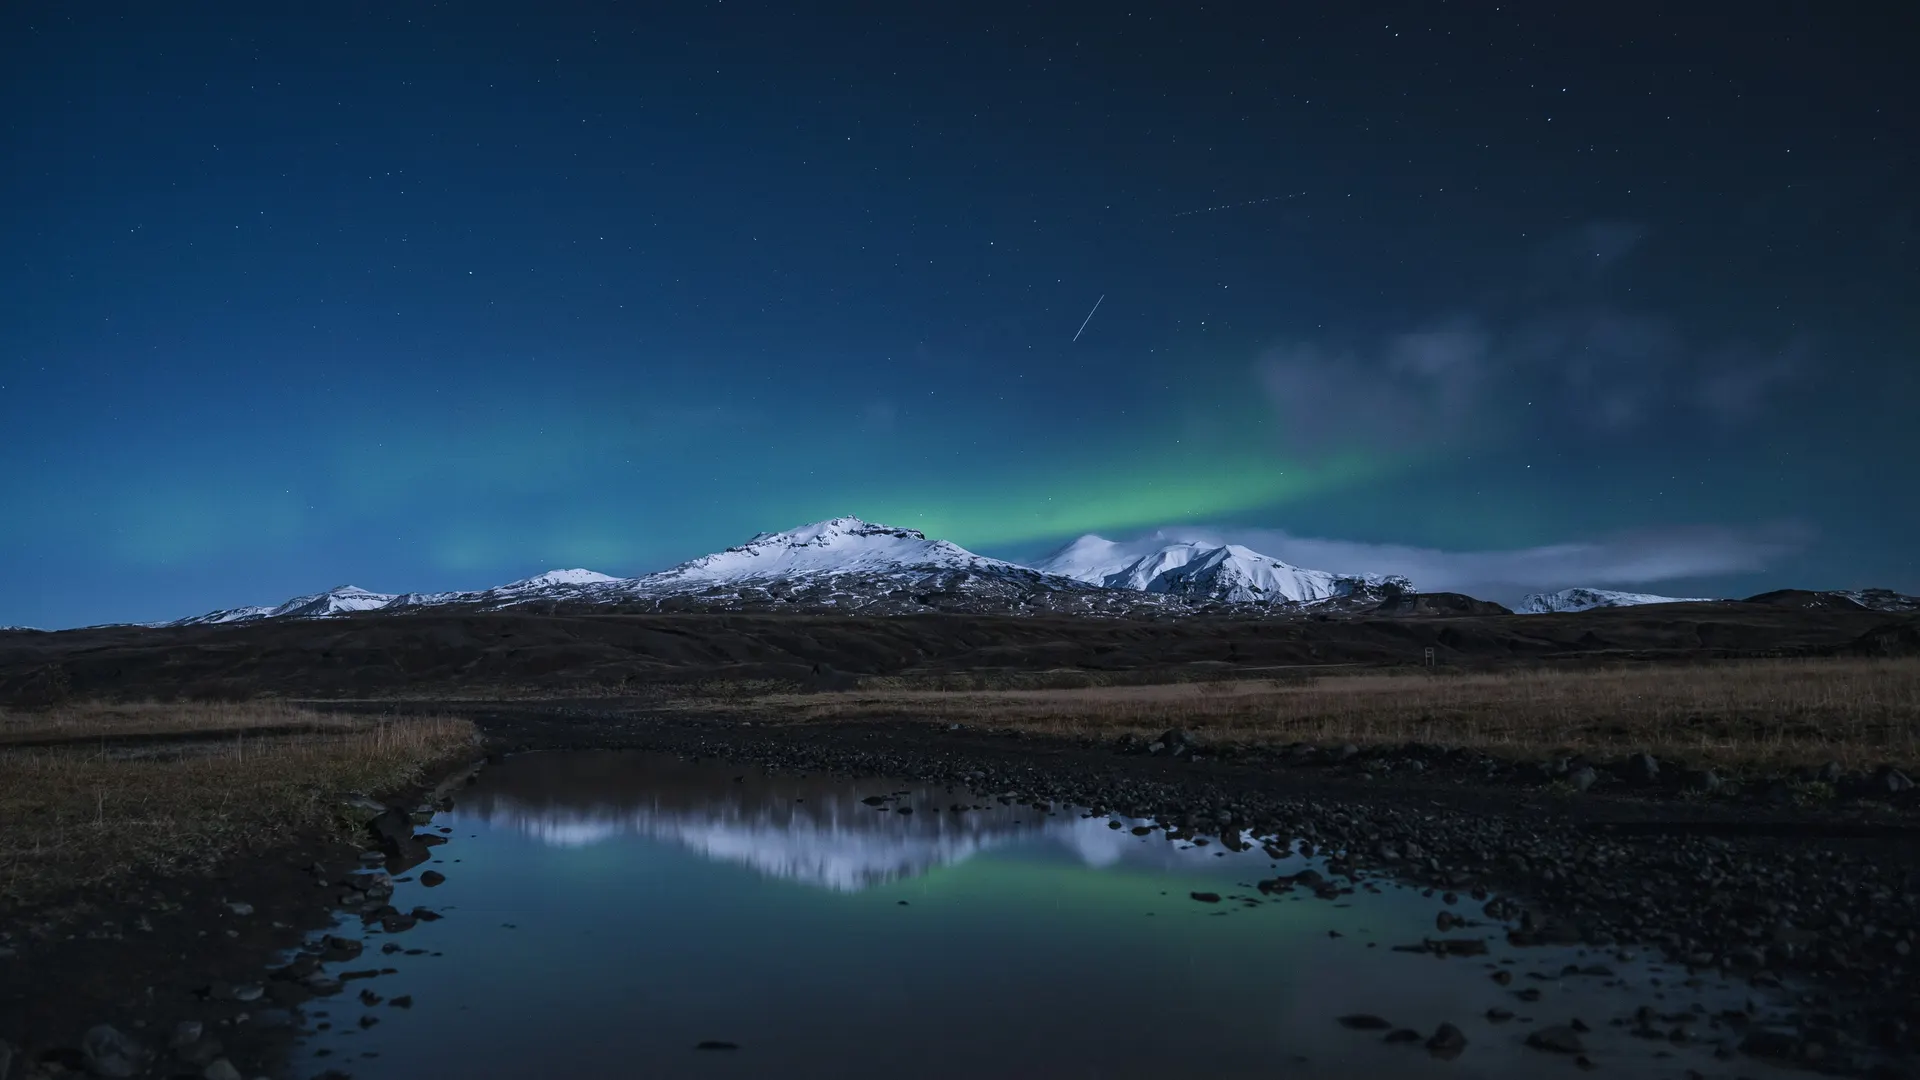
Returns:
(1764, 712)
(93, 793)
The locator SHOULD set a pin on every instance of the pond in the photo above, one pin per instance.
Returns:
(615, 914)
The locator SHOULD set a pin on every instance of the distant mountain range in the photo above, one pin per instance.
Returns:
(852, 566)
(1587, 599)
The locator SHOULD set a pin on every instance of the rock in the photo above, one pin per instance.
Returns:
(1583, 778)
(335, 949)
(403, 1001)
(391, 827)
(185, 1034)
(239, 908)
(376, 883)
(1771, 1043)
(249, 992)
(1888, 780)
(431, 878)
(1642, 769)
(1346, 752)
(220, 1069)
(1705, 781)
(361, 809)
(1447, 1041)
(1364, 1022)
(109, 1052)
(1206, 897)
(6, 1059)
(715, 1044)
(1558, 1039)
(272, 1019)
(1402, 1035)
(1499, 1016)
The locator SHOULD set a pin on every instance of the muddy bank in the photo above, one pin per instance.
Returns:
(169, 976)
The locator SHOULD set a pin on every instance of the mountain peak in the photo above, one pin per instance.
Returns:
(836, 546)
(553, 578)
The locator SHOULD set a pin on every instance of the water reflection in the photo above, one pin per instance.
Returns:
(815, 830)
(605, 913)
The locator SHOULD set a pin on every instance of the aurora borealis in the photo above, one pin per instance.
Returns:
(421, 299)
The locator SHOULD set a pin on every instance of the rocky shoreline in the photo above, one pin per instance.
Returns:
(185, 976)
(1735, 883)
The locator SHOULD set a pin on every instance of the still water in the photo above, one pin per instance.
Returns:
(605, 913)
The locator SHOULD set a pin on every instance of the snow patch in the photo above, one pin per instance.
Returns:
(1588, 599)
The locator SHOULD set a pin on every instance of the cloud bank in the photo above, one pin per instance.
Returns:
(1556, 353)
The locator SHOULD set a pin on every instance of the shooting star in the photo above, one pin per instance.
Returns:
(1089, 318)
(1237, 205)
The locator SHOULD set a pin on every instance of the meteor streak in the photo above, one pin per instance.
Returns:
(1089, 318)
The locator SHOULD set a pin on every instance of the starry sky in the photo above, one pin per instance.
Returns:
(415, 298)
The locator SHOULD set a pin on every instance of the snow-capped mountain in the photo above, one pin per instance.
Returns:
(844, 545)
(1587, 599)
(1226, 573)
(844, 564)
(850, 565)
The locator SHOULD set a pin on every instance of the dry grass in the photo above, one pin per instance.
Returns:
(108, 720)
(83, 813)
(1755, 712)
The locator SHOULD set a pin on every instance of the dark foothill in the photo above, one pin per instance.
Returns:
(1364, 1022)
(1206, 897)
(1558, 1039)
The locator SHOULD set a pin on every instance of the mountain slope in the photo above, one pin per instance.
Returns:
(1588, 599)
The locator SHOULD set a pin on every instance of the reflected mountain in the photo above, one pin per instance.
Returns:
(812, 829)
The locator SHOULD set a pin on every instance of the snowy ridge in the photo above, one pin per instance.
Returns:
(1226, 573)
(1588, 599)
(849, 565)
(844, 545)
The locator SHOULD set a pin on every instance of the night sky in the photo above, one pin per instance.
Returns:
(414, 298)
